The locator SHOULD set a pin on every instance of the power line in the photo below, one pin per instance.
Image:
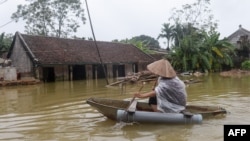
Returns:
(3, 1)
(6, 24)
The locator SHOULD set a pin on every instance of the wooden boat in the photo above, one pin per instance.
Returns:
(116, 110)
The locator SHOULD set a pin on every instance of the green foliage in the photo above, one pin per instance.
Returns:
(196, 49)
(187, 51)
(245, 65)
(142, 46)
(5, 42)
(152, 43)
(50, 17)
(221, 50)
(217, 51)
(142, 42)
(196, 43)
(167, 32)
(149, 41)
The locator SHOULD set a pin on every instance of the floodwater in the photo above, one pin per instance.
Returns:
(59, 112)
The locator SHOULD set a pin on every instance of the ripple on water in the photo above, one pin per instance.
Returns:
(59, 112)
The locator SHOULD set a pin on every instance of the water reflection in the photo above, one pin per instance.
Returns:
(58, 111)
(16, 99)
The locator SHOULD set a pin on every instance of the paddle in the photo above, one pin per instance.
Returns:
(133, 103)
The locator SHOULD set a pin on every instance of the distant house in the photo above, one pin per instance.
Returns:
(237, 36)
(240, 39)
(53, 59)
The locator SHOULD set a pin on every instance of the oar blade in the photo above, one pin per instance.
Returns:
(132, 106)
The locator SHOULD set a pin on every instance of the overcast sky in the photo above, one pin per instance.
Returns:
(121, 19)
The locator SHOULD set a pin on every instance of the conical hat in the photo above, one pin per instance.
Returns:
(163, 68)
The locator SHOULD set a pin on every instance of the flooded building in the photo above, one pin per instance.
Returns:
(241, 41)
(57, 59)
(236, 37)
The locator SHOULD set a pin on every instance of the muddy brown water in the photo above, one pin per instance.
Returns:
(59, 112)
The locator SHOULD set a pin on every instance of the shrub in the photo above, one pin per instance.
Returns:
(245, 65)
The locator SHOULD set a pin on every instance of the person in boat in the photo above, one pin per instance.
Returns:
(169, 95)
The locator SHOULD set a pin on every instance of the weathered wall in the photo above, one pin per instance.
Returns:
(20, 59)
(8, 74)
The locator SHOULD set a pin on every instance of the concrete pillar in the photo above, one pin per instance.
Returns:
(128, 68)
(109, 71)
(116, 72)
(96, 72)
(65, 72)
(37, 74)
(71, 73)
(89, 74)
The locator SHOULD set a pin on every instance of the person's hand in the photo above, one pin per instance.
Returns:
(138, 95)
(144, 95)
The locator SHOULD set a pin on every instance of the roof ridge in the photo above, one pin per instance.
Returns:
(69, 38)
(240, 29)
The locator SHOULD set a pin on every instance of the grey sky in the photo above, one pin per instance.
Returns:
(120, 19)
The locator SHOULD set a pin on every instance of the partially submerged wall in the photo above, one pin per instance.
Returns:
(8, 74)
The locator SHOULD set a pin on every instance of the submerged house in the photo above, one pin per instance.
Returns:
(54, 59)
(236, 37)
(241, 40)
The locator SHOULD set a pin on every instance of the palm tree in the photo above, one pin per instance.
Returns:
(220, 51)
(186, 54)
(178, 34)
(189, 56)
(167, 32)
(180, 31)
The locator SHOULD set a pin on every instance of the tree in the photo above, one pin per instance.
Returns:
(50, 17)
(198, 50)
(5, 43)
(198, 14)
(196, 43)
(138, 41)
(142, 46)
(147, 41)
(167, 32)
(150, 41)
(220, 51)
(186, 54)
